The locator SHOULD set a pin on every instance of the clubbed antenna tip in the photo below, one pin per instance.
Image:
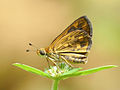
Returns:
(30, 44)
(27, 50)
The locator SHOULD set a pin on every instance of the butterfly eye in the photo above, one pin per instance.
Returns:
(42, 52)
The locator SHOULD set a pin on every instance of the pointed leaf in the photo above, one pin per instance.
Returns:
(32, 69)
(90, 71)
(93, 70)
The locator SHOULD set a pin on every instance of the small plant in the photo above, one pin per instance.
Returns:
(63, 73)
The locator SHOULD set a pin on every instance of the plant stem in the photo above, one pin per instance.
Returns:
(55, 84)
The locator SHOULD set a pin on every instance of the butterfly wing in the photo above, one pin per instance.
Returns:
(74, 43)
(81, 23)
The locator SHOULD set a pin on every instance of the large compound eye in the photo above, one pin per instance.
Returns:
(42, 52)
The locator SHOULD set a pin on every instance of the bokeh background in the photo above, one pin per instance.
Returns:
(39, 22)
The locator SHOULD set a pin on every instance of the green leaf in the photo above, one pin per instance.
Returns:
(32, 69)
(93, 70)
(89, 71)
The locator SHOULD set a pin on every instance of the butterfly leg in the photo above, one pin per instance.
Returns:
(48, 62)
(67, 62)
(53, 62)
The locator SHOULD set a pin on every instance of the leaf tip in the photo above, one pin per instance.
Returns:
(112, 65)
(16, 64)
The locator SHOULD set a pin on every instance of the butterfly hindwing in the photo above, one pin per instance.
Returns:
(73, 57)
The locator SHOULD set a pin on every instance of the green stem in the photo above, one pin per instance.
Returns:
(55, 84)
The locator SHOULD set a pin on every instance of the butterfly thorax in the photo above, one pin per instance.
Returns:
(51, 54)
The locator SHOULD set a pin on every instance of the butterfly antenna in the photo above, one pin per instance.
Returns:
(30, 44)
(30, 50)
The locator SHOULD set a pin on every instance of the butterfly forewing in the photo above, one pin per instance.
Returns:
(75, 41)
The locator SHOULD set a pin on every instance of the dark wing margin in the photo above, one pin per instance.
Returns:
(82, 23)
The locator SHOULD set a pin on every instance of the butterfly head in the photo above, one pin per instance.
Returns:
(41, 52)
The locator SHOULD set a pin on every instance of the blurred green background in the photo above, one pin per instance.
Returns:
(39, 22)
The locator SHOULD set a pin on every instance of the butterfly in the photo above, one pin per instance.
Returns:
(72, 45)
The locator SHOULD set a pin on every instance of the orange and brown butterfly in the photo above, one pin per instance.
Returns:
(72, 45)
